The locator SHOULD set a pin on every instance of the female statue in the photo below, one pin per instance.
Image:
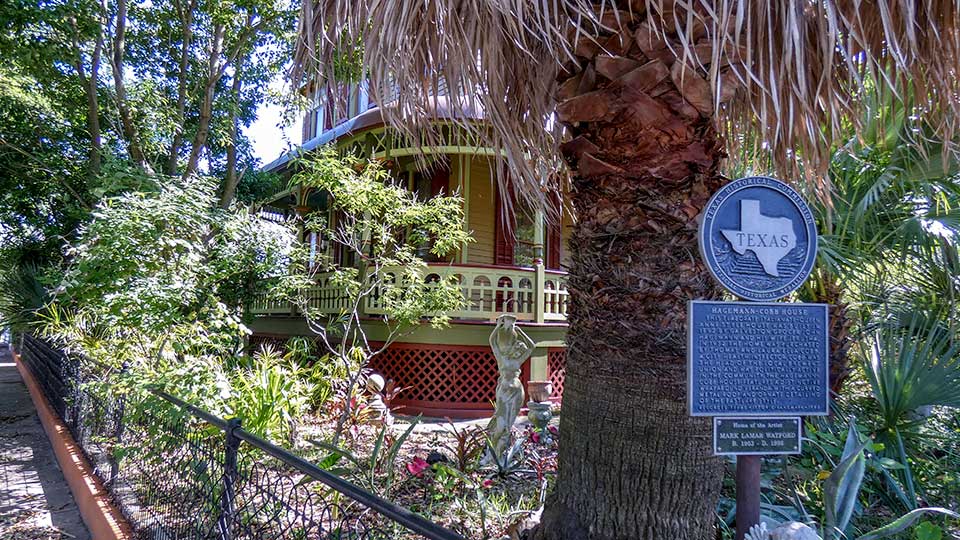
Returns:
(511, 347)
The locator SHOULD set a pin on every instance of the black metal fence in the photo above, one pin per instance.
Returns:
(178, 472)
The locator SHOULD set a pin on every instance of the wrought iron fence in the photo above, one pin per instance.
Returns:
(179, 472)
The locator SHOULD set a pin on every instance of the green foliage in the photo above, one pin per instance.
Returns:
(320, 372)
(376, 472)
(257, 185)
(22, 295)
(510, 462)
(167, 265)
(64, 145)
(42, 194)
(910, 367)
(159, 281)
(270, 394)
(383, 224)
(843, 485)
(888, 235)
(904, 522)
(927, 531)
(379, 228)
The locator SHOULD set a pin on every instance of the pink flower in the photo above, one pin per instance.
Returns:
(417, 466)
(553, 430)
(486, 484)
(535, 437)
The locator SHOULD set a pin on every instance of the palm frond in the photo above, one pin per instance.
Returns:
(21, 295)
(788, 77)
(912, 363)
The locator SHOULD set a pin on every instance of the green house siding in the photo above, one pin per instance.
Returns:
(481, 211)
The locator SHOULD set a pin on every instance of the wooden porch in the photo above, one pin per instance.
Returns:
(535, 295)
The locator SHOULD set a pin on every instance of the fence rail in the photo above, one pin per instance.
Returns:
(179, 472)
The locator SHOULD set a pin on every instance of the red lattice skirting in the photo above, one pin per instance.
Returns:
(450, 380)
(456, 381)
(557, 371)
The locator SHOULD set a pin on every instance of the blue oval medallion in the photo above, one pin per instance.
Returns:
(758, 238)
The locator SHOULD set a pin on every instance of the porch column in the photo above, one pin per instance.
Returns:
(464, 162)
(539, 228)
(538, 364)
(539, 303)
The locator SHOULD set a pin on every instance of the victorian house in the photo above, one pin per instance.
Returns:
(513, 266)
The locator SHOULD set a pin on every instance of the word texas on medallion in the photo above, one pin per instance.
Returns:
(758, 238)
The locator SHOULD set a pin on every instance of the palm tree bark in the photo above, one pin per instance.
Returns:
(633, 463)
(840, 340)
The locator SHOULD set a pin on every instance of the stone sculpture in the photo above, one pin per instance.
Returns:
(511, 347)
(380, 412)
(794, 531)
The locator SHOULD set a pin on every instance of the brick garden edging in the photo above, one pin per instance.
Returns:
(102, 518)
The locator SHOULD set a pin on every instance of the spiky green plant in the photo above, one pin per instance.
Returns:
(22, 294)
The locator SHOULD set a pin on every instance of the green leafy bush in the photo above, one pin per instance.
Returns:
(269, 393)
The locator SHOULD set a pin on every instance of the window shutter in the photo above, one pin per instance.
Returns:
(440, 180)
(504, 227)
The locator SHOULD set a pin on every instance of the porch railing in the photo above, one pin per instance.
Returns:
(179, 472)
(531, 294)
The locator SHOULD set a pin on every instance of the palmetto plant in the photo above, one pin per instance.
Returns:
(893, 216)
(639, 99)
(910, 366)
(21, 295)
(841, 491)
(912, 363)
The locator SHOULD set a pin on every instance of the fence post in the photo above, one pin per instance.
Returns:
(69, 372)
(230, 449)
(118, 428)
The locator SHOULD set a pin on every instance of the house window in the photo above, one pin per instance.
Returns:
(317, 119)
(524, 251)
(426, 186)
(515, 232)
(314, 250)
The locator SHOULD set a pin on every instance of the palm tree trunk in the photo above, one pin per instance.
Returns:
(645, 157)
(840, 341)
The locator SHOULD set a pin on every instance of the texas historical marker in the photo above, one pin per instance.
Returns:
(758, 238)
(748, 358)
(757, 366)
(759, 241)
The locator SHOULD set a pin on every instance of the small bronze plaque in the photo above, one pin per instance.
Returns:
(756, 436)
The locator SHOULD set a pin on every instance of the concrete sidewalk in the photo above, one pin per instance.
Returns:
(35, 502)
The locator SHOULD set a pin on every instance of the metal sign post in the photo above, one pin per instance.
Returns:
(750, 361)
(748, 494)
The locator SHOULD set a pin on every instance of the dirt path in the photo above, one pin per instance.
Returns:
(35, 502)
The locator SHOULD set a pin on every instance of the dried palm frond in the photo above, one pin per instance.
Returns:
(788, 77)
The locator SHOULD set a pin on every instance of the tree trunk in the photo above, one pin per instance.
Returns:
(645, 154)
(840, 342)
(130, 131)
(186, 37)
(91, 87)
(93, 107)
(214, 72)
(229, 188)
